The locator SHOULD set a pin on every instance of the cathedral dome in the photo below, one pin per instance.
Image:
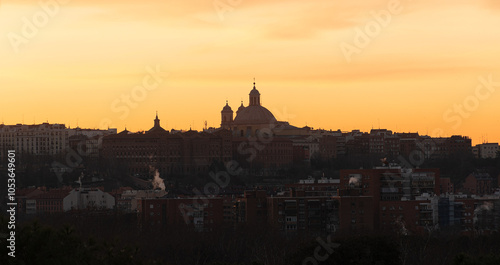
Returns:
(255, 114)
(254, 91)
(240, 108)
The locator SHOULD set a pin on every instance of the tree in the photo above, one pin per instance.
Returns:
(464, 259)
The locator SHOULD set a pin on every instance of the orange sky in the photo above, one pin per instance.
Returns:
(77, 62)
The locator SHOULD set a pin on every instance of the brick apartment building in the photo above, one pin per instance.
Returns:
(446, 186)
(44, 201)
(390, 186)
(252, 208)
(295, 211)
(273, 153)
(478, 183)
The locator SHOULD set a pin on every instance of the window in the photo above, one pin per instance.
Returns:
(151, 206)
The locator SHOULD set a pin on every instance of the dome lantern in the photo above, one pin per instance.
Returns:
(254, 96)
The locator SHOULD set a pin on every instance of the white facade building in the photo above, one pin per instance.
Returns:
(45, 138)
(82, 198)
(488, 150)
(40, 139)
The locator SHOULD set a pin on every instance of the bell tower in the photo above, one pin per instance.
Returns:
(157, 121)
(226, 117)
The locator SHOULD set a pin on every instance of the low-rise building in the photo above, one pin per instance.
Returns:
(487, 150)
(478, 183)
(88, 199)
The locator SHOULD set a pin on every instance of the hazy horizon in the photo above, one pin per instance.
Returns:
(421, 66)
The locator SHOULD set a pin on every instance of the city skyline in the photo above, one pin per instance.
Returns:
(411, 74)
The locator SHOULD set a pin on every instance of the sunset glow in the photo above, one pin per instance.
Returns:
(430, 66)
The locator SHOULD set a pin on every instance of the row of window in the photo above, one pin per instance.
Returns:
(394, 208)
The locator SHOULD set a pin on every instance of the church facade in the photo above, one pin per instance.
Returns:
(249, 120)
(182, 153)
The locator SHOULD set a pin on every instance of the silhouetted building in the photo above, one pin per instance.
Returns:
(42, 201)
(451, 212)
(467, 212)
(188, 152)
(88, 199)
(24, 199)
(487, 215)
(321, 187)
(331, 146)
(390, 184)
(382, 142)
(51, 201)
(487, 150)
(446, 186)
(42, 139)
(321, 214)
(268, 156)
(478, 183)
(255, 120)
(227, 117)
(407, 143)
(252, 208)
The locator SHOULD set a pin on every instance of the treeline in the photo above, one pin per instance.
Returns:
(117, 239)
